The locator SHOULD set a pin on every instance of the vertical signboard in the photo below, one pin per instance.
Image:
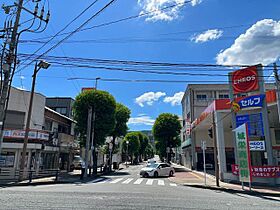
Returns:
(243, 153)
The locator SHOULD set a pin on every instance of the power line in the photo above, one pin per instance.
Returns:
(123, 19)
(71, 34)
(137, 63)
(59, 32)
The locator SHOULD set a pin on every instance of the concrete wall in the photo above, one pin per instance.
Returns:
(19, 101)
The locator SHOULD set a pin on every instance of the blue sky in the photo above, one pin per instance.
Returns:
(202, 31)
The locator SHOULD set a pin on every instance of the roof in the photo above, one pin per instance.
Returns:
(61, 115)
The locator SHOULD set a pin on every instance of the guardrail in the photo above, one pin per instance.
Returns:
(7, 174)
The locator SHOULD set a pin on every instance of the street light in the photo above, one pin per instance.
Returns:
(44, 65)
(127, 142)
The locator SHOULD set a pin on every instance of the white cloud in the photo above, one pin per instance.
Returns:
(207, 35)
(174, 100)
(149, 98)
(155, 8)
(259, 44)
(141, 120)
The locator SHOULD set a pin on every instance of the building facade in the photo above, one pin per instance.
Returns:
(43, 148)
(62, 105)
(204, 104)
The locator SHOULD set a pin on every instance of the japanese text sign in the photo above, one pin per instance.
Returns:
(257, 146)
(260, 171)
(243, 153)
(245, 80)
(251, 101)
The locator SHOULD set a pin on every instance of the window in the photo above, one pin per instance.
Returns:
(201, 97)
(223, 96)
(7, 159)
(61, 110)
(277, 136)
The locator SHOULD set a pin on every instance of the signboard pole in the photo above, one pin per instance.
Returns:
(233, 116)
(203, 145)
(215, 152)
(265, 121)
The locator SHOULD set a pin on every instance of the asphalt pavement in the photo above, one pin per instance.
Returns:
(125, 189)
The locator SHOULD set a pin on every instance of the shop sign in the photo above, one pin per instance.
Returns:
(245, 80)
(260, 171)
(243, 153)
(31, 135)
(255, 125)
(251, 101)
(188, 128)
(257, 146)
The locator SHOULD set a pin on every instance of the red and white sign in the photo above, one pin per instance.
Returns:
(245, 80)
(259, 171)
(188, 128)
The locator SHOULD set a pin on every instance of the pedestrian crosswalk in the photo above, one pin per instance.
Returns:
(138, 181)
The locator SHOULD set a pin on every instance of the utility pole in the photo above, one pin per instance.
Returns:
(277, 83)
(7, 68)
(45, 65)
(93, 142)
(8, 60)
(215, 151)
(88, 139)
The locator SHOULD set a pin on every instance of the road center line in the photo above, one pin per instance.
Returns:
(173, 184)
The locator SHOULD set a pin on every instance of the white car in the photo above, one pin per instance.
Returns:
(157, 169)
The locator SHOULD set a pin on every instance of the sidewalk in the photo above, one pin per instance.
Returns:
(63, 178)
(192, 178)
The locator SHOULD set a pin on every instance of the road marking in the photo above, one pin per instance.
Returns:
(116, 180)
(160, 182)
(173, 184)
(149, 182)
(127, 181)
(97, 180)
(196, 175)
(138, 181)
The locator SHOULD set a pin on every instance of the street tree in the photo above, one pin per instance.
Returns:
(166, 131)
(133, 146)
(144, 141)
(121, 118)
(104, 107)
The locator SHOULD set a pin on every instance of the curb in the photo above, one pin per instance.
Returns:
(257, 193)
(77, 180)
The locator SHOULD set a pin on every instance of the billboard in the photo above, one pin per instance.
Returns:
(245, 80)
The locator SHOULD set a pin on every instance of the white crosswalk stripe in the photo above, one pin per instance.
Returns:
(160, 182)
(116, 180)
(127, 181)
(149, 182)
(138, 181)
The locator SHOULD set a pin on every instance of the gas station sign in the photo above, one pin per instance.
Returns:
(245, 80)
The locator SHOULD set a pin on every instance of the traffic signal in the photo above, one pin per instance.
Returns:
(210, 132)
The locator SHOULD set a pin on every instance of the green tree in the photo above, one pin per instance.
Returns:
(144, 141)
(121, 118)
(149, 151)
(104, 106)
(166, 131)
(133, 144)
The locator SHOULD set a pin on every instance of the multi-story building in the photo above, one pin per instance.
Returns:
(196, 99)
(204, 104)
(62, 105)
(43, 147)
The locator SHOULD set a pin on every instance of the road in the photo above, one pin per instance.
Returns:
(126, 190)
